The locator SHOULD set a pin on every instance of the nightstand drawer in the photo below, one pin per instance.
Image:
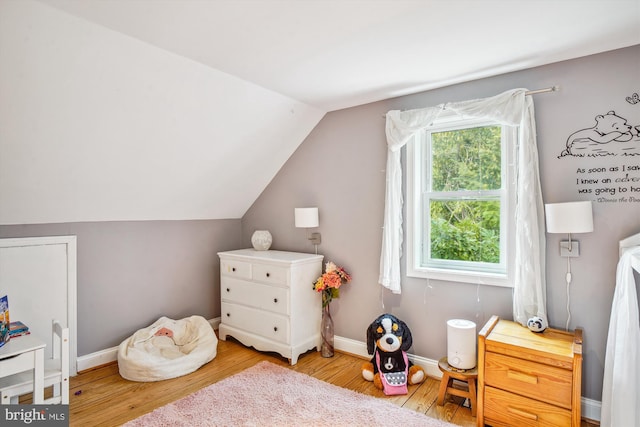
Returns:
(272, 298)
(537, 381)
(235, 268)
(269, 325)
(270, 274)
(502, 408)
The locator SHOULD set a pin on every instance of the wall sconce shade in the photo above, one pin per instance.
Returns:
(570, 217)
(306, 217)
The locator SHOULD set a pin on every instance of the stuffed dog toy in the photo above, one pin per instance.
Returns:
(388, 339)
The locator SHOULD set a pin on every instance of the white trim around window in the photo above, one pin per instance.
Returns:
(455, 271)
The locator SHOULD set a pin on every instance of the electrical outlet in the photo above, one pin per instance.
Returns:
(575, 249)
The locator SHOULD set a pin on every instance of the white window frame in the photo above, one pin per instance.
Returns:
(460, 271)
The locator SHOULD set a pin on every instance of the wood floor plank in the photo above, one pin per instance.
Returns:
(425, 396)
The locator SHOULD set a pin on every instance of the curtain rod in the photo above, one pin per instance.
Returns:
(529, 92)
(545, 90)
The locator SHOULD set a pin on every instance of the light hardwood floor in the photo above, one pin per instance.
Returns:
(100, 397)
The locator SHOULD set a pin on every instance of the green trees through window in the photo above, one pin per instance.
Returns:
(463, 194)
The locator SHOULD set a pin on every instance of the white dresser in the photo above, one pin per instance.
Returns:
(268, 301)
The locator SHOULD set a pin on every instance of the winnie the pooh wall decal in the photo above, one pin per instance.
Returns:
(616, 137)
(611, 136)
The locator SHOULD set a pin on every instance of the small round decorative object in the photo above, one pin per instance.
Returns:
(261, 240)
(537, 324)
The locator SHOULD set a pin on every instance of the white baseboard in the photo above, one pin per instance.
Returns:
(590, 408)
(96, 359)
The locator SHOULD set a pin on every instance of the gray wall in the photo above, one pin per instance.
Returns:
(131, 273)
(340, 169)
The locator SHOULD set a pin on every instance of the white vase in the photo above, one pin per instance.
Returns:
(261, 240)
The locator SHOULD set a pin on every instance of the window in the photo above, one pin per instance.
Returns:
(460, 201)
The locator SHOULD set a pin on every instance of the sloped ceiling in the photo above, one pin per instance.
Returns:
(185, 109)
(334, 54)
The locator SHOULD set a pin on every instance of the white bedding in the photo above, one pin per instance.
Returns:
(167, 349)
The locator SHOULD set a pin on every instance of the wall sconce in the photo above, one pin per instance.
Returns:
(308, 218)
(570, 217)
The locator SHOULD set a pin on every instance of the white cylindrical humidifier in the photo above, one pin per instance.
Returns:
(461, 343)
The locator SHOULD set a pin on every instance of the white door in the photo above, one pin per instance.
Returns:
(38, 274)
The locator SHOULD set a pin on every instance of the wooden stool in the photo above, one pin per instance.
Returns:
(449, 373)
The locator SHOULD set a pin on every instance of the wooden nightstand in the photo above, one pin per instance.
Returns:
(527, 378)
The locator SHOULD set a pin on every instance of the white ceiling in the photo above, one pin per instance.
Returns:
(333, 54)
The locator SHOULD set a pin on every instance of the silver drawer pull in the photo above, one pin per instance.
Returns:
(522, 413)
(521, 376)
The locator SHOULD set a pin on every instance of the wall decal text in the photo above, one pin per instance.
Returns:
(610, 184)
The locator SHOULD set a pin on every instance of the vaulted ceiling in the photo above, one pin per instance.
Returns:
(333, 54)
(186, 109)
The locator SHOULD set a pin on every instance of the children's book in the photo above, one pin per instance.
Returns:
(4, 320)
(17, 328)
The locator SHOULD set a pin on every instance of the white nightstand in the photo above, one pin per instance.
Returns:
(268, 301)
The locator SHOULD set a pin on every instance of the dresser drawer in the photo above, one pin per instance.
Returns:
(537, 381)
(270, 274)
(233, 268)
(265, 297)
(269, 325)
(502, 408)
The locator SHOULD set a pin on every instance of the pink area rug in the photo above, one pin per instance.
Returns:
(270, 395)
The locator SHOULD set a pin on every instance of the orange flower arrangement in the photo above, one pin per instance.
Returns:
(329, 283)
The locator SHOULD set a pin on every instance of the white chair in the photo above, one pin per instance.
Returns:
(56, 373)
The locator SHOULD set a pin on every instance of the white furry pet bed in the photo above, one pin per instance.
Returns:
(167, 349)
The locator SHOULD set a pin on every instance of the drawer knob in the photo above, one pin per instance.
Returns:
(228, 290)
(228, 314)
(275, 300)
(233, 269)
(268, 275)
(275, 329)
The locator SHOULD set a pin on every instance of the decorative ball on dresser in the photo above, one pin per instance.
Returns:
(261, 240)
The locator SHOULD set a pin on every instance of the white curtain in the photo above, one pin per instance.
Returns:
(620, 389)
(512, 108)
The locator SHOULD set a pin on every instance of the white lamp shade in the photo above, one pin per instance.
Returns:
(570, 217)
(306, 217)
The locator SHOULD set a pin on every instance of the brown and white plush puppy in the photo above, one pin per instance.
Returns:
(388, 339)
